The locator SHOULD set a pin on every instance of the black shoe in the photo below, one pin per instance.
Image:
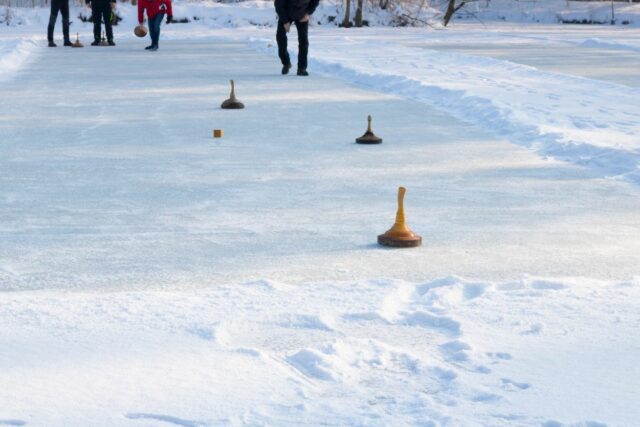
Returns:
(111, 43)
(52, 44)
(302, 72)
(154, 48)
(286, 68)
(149, 47)
(68, 43)
(95, 43)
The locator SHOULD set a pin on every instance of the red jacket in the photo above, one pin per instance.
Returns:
(153, 7)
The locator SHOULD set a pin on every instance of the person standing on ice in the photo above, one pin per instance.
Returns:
(102, 10)
(299, 12)
(61, 6)
(156, 9)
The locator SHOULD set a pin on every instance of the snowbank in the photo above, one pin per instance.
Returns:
(552, 12)
(15, 53)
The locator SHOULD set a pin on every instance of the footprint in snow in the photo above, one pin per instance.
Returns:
(474, 290)
(307, 321)
(510, 385)
(444, 375)
(204, 333)
(484, 397)
(455, 351)
(248, 352)
(429, 321)
(553, 423)
(499, 356)
(164, 418)
(535, 329)
(312, 365)
(545, 284)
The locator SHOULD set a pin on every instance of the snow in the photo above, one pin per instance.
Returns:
(14, 55)
(524, 352)
(551, 11)
(153, 275)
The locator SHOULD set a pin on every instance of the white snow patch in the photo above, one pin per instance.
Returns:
(491, 351)
(15, 54)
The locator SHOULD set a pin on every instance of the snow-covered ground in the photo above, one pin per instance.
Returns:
(151, 275)
(371, 352)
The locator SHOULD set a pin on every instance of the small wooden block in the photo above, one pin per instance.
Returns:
(218, 133)
(400, 242)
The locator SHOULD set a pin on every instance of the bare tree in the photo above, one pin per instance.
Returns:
(451, 9)
(346, 22)
(359, 14)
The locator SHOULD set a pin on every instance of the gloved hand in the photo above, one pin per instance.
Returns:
(169, 19)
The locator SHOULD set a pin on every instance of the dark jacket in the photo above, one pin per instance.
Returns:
(294, 10)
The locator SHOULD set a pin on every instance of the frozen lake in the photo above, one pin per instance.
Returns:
(111, 180)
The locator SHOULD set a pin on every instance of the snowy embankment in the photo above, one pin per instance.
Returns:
(15, 54)
(552, 12)
(381, 352)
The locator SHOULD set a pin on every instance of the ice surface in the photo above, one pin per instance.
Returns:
(119, 185)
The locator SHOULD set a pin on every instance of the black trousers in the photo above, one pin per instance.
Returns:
(154, 28)
(99, 12)
(61, 6)
(303, 43)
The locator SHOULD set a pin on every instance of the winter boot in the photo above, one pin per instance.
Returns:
(52, 44)
(68, 43)
(286, 68)
(302, 72)
(111, 43)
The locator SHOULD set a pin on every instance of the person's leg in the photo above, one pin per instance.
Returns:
(106, 13)
(303, 44)
(157, 21)
(96, 16)
(281, 37)
(64, 9)
(152, 31)
(55, 6)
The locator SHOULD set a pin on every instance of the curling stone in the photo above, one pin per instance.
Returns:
(140, 30)
(400, 236)
(77, 42)
(218, 133)
(369, 137)
(232, 103)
